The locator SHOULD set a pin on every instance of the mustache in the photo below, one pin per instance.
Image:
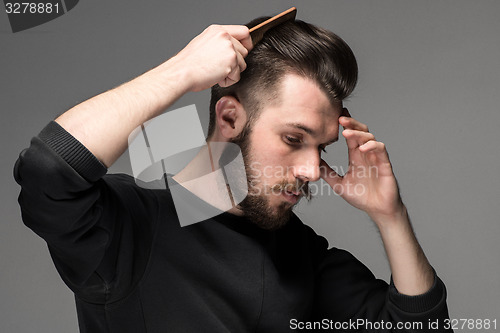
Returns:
(297, 186)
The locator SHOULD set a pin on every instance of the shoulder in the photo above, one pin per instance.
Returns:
(133, 195)
(296, 225)
(320, 245)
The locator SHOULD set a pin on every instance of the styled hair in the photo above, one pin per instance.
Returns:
(294, 47)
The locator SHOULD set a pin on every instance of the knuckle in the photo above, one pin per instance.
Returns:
(211, 28)
(223, 34)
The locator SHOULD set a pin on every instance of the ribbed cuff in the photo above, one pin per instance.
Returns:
(419, 303)
(72, 151)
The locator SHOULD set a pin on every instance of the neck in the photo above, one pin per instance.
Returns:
(204, 178)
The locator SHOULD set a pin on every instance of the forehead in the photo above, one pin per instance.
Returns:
(301, 101)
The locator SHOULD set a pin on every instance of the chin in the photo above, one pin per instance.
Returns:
(259, 211)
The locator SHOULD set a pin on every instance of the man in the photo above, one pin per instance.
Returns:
(255, 268)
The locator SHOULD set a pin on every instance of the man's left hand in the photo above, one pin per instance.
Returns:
(369, 183)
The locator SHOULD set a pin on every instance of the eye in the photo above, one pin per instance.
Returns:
(292, 140)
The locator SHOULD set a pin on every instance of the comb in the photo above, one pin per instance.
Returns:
(258, 31)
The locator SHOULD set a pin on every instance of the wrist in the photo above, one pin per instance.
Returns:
(397, 218)
(172, 77)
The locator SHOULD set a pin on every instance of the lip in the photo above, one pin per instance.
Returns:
(291, 197)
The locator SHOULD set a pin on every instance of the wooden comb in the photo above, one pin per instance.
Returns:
(258, 31)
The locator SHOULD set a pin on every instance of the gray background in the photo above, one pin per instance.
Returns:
(428, 88)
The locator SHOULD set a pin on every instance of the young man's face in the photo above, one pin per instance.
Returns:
(283, 151)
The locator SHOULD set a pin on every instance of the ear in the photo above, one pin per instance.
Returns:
(230, 116)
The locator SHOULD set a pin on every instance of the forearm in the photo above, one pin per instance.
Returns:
(411, 271)
(104, 122)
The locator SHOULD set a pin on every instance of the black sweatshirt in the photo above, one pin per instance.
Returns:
(133, 268)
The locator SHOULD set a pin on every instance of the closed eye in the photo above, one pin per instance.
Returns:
(292, 140)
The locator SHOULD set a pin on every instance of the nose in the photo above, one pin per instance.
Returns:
(307, 168)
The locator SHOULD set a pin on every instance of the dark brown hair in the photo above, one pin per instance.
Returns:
(294, 47)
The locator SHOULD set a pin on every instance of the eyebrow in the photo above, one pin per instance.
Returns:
(309, 131)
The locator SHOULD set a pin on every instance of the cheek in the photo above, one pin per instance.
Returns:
(272, 153)
(273, 167)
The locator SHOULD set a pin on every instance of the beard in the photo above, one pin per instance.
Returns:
(256, 206)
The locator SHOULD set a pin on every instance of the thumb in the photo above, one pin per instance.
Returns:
(330, 176)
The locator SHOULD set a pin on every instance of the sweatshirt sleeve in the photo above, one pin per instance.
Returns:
(348, 292)
(84, 216)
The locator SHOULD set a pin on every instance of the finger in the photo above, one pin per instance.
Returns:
(231, 79)
(238, 47)
(247, 42)
(240, 33)
(329, 175)
(241, 53)
(377, 148)
(235, 74)
(351, 123)
(356, 138)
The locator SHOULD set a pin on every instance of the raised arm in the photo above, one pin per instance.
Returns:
(416, 295)
(104, 122)
(371, 170)
(64, 197)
